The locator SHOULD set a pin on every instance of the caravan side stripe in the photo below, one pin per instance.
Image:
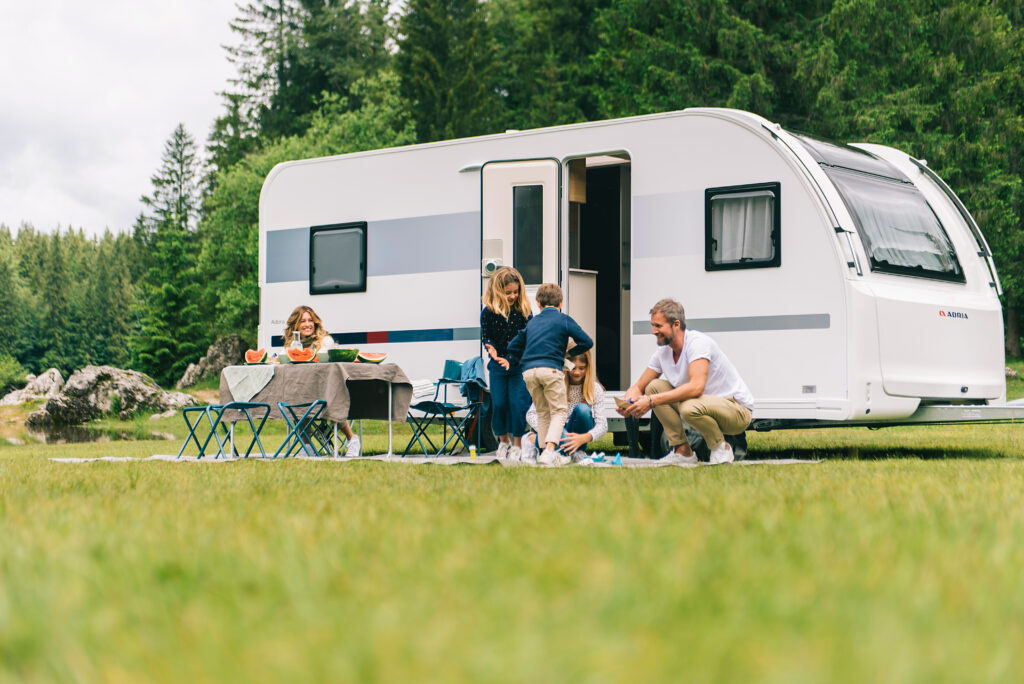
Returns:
(749, 323)
(397, 336)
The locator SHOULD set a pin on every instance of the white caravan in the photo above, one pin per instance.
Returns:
(847, 283)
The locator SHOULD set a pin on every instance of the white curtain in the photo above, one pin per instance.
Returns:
(741, 226)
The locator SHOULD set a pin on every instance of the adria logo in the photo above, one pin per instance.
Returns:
(953, 314)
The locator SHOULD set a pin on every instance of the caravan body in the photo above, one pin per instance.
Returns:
(846, 283)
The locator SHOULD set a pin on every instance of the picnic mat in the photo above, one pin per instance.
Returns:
(609, 461)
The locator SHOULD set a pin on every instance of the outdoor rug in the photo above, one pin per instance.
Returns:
(599, 461)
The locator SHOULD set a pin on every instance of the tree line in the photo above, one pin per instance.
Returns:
(940, 79)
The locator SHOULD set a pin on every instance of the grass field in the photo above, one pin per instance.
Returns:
(898, 558)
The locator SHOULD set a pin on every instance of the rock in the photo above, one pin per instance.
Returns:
(169, 413)
(226, 351)
(98, 390)
(1010, 373)
(45, 386)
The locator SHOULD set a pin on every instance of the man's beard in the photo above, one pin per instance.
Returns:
(662, 340)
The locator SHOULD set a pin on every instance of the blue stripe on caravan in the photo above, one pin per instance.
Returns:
(399, 336)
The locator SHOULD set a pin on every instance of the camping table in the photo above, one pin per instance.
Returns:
(353, 391)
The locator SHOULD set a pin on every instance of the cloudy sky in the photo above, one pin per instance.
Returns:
(89, 94)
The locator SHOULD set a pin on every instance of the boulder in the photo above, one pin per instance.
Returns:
(44, 386)
(226, 351)
(95, 391)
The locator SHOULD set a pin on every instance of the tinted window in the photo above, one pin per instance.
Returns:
(528, 231)
(337, 258)
(897, 226)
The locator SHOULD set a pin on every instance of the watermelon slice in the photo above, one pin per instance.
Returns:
(256, 356)
(302, 355)
(371, 357)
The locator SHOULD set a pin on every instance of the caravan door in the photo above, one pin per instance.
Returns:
(521, 220)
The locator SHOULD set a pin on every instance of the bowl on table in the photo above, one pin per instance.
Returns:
(345, 355)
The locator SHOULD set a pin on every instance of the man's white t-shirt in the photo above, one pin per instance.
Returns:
(723, 378)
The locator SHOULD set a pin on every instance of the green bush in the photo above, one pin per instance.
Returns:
(12, 373)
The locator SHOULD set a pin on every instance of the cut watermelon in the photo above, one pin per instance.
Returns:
(256, 356)
(372, 357)
(302, 355)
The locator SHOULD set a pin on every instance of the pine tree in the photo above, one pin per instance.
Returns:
(171, 336)
(447, 66)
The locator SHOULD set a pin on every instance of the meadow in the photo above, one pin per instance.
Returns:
(895, 558)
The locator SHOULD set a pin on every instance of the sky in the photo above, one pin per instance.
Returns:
(89, 94)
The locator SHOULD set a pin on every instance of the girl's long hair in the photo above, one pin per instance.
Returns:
(319, 332)
(494, 297)
(588, 376)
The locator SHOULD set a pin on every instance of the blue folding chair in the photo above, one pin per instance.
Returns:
(455, 420)
(208, 419)
(307, 432)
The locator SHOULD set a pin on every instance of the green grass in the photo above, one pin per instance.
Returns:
(896, 559)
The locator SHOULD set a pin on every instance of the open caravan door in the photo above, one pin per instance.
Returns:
(520, 217)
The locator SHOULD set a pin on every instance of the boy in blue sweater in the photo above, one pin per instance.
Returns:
(540, 350)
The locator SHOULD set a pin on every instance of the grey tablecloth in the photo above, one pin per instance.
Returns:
(352, 390)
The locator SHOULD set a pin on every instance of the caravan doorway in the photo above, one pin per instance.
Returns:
(599, 257)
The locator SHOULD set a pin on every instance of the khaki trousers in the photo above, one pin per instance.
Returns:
(710, 416)
(547, 389)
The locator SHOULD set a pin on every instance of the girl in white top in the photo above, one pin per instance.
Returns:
(586, 420)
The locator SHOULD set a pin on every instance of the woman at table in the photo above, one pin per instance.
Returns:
(311, 329)
(314, 336)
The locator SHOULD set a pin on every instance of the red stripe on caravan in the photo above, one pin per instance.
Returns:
(377, 337)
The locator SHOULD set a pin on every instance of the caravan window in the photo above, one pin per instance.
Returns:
(528, 231)
(742, 227)
(337, 258)
(899, 229)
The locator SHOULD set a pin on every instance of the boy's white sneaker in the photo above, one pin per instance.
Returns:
(502, 450)
(552, 458)
(721, 454)
(674, 458)
(354, 449)
(515, 454)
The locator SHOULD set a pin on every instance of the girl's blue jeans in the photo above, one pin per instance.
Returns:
(510, 400)
(581, 419)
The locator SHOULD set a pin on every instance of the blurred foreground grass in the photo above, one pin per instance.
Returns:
(900, 565)
(896, 559)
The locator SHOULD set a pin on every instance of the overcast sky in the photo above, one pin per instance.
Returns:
(89, 94)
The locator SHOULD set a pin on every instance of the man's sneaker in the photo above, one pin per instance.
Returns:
(354, 449)
(674, 458)
(503, 449)
(515, 454)
(721, 454)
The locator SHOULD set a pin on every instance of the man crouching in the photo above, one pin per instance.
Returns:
(689, 379)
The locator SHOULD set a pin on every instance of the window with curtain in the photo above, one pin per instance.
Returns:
(742, 227)
(337, 258)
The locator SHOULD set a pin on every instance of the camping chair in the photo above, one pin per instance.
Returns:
(214, 419)
(308, 432)
(457, 420)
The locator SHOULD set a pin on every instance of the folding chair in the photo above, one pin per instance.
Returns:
(308, 432)
(455, 419)
(214, 419)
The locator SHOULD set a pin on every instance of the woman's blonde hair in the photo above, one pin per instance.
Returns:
(494, 297)
(319, 332)
(588, 377)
